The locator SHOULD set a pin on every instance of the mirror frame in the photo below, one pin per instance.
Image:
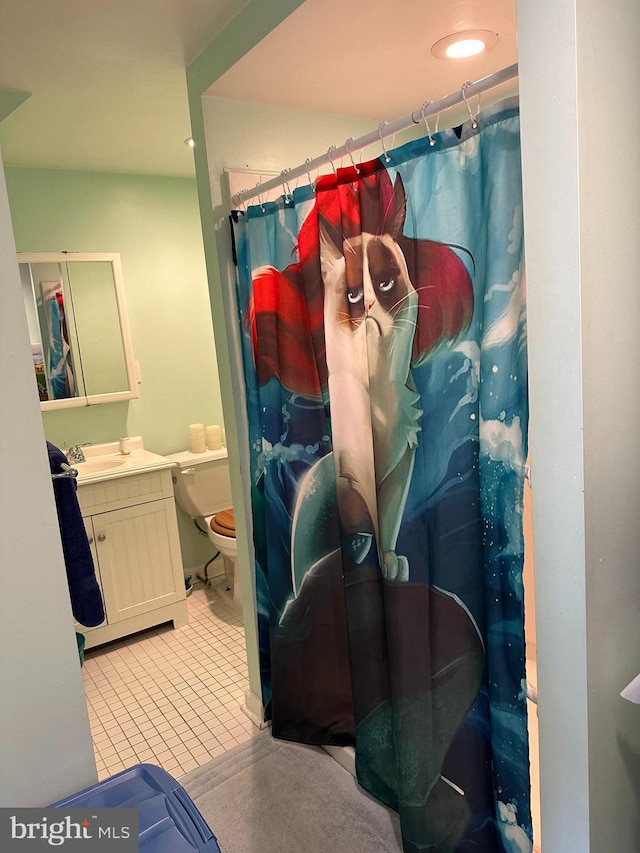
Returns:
(130, 363)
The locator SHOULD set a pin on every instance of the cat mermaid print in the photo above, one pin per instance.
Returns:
(384, 348)
(382, 304)
(371, 318)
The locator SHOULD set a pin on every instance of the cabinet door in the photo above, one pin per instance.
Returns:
(88, 526)
(140, 562)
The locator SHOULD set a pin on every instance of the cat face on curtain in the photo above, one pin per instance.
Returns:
(374, 274)
(368, 291)
(371, 305)
(374, 280)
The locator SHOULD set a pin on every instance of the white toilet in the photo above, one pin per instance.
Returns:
(203, 490)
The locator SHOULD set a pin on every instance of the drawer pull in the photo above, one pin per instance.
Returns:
(91, 540)
(101, 537)
(185, 471)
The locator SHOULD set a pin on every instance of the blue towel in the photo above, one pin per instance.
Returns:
(86, 598)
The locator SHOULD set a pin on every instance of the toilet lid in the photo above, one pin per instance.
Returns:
(224, 523)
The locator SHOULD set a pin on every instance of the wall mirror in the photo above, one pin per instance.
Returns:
(80, 340)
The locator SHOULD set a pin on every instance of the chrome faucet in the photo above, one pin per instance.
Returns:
(75, 453)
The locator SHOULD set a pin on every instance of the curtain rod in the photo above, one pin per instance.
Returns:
(468, 90)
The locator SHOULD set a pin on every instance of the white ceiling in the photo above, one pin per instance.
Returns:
(107, 78)
(369, 58)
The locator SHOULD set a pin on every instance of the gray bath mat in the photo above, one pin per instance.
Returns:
(271, 796)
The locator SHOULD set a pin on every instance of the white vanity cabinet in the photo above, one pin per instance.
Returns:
(133, 532)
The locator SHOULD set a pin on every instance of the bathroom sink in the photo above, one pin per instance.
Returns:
(97, 466)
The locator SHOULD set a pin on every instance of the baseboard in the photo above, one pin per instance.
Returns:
(344, 755)
(254, 709)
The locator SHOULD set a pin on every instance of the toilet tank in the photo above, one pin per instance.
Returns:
(201, 482)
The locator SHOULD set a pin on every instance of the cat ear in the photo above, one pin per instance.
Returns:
(395, 222)
(330, 239)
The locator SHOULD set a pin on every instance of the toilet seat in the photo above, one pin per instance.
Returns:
(222, 532)
(223, 522)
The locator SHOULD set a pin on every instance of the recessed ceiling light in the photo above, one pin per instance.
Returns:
(463, 44)
(190, 142)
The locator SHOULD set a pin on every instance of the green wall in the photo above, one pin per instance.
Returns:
(153, 222)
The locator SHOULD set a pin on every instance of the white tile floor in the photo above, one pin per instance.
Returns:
(168, 696)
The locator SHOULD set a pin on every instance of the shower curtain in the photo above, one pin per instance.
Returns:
(61, 377)
(383, 329)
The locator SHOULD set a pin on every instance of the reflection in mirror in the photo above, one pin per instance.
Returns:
(50, 330)
(78, 327)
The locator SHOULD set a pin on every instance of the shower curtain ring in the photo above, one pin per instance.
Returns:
(331, 150)
(479, 104)
(423, 110)
(381, 126)
(307, 165)
(286, 186)
(287, 171)
(260, 199)
(347, 145)
(463, 91)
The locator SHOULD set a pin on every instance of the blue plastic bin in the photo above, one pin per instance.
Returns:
(169, 821)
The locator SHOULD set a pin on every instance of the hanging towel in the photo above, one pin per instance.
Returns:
(86, 598)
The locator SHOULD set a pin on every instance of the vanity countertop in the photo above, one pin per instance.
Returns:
(105, 462)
